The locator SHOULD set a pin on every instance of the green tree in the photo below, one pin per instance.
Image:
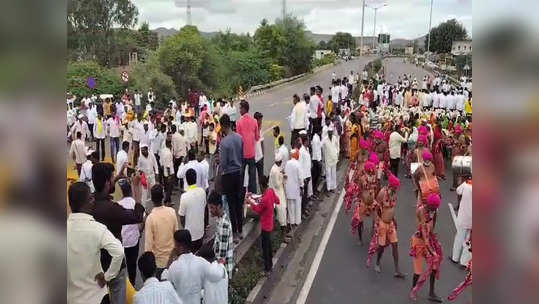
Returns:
(248, 68)
(295, 48)
(228, 41)
(342, 41)
(147, 75)
(443, 35)
(146, 38)
(107, 81)
(322, 45)
(90, 26)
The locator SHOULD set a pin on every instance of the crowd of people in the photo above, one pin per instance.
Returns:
(204, 157)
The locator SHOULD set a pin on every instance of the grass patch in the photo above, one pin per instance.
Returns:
(250, 268)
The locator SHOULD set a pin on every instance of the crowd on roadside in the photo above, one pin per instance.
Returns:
(210, 153)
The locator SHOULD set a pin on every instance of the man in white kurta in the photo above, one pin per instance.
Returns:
(293, 188)
(330, 147)
(464, 224)
(147, 164)
(276, 180)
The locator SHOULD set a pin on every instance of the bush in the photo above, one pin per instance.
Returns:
(276, 72)
(327, 59)
(107, 81)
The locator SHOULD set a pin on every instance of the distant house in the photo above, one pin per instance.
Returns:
(461, 47)
(319, 54)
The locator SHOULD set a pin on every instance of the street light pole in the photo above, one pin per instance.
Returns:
(430, 24)
(362, 25)
(374, 30)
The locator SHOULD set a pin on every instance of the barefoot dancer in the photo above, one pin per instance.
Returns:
(369, 186)
(386, 225)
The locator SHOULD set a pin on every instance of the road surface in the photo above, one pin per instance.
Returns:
(342, 276)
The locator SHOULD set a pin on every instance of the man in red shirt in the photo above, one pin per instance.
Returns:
(265, 209)
(247, 128)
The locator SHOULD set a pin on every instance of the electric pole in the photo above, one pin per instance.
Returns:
(430, 24)
(362, 25)
(284, 9)
(189, 20)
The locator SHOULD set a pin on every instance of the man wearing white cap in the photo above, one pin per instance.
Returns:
(293, 188)
(305, 164)
(80, 126)
(330, 147)
(276, 182)
(78, 152)
(85, 175)
(148, 165)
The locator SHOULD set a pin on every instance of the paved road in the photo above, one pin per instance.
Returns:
(343, 277)
(276, 104)
(395, 67)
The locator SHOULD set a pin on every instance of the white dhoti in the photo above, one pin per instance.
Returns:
(146, 192)
(331, 177)
(294, 211)
(280, 209)
(461, 253)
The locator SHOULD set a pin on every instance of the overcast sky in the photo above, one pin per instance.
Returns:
(401, 18)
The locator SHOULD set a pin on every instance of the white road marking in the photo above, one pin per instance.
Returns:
(453, 214)
(302, 298)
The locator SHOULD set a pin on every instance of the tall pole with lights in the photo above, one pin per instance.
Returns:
(430, 25)
(189, 20)
(362, 26)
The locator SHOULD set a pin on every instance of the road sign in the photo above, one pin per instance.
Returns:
(90, 82)
(125, 76)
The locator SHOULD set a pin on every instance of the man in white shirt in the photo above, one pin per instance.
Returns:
(444, 99)
(204, 168)
(136, 129)
(191, 164)
(86, 169)
(451, 101)
(122, 157)
(293, 188)
(316, 169)
(191, 131)
(395, 142)
(464, 224)
(435, 100)
(157, 142)
(148, 165)
(167, 164)
(113, 129)
(192, 209)
(428, 99)
(138, 102)
(299, 120)
(153, 291)
(460, 102)
(276, 182)
(85, 239)
(82, 127)
(335, 90)
(100, 133)
(330, 146)
(214, 292)
(179, 147)
(120, 109)
(91, 113)
(189, 272)
(145, 135)
(305, 165)
(78, 152)
(283, 151)
(314, 104)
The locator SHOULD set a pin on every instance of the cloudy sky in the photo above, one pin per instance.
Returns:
(401, 18)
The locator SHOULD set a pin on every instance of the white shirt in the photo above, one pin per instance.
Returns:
(81, 127)
(86, 175)
(216, 292)
(121, 158)
(85, 239)
(316, 146)
(451, 102)
(97, 134)
(190, 131)
(305, 162)
(399, 99)
(258, 147)
(79, 149)
(283, 150)
(192, 164)
(137, 98)
(314, 102)
(335, 93)
(179, 145)
(145, 139)
(331, 150)
(461, 101)
(464, 217)
(443, 101)
(395, 141)
(293, 180)
(192, 206)
(130, 233)
(136, 129)
(188, 273)
(428, 100)
(148, 165)
(204, 170)
(151, 96)
(157, 139)
(436, 100)
(120, 109)
(113, 127)
(166, 161)
(92, 114)
(299, 119)
(155, 292)
(344, 91)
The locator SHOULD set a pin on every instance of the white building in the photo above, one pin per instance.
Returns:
(319, 54)
(461, 47)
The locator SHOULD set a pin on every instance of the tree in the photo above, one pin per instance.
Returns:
(147, 75)
(90, 26)
(342, 41)
(443, 35)
(146, 38)
(322, 45)
(228, 41)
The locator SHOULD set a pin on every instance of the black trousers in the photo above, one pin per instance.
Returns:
(266, 250)
(260, 171)
(169, 182)
(131, 255)
(304, 197)
(100, 148)
(316, 169)
(232, 184)
(158, 159)
(394, 163)
(91, 127)
(195, 245)
(176, 163)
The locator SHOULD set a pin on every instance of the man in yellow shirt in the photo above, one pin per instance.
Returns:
(468, 106)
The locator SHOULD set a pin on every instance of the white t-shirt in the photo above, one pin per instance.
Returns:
(464, 217)
(216, 293)
(314, 102)
(130, 233)
(192, 206)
